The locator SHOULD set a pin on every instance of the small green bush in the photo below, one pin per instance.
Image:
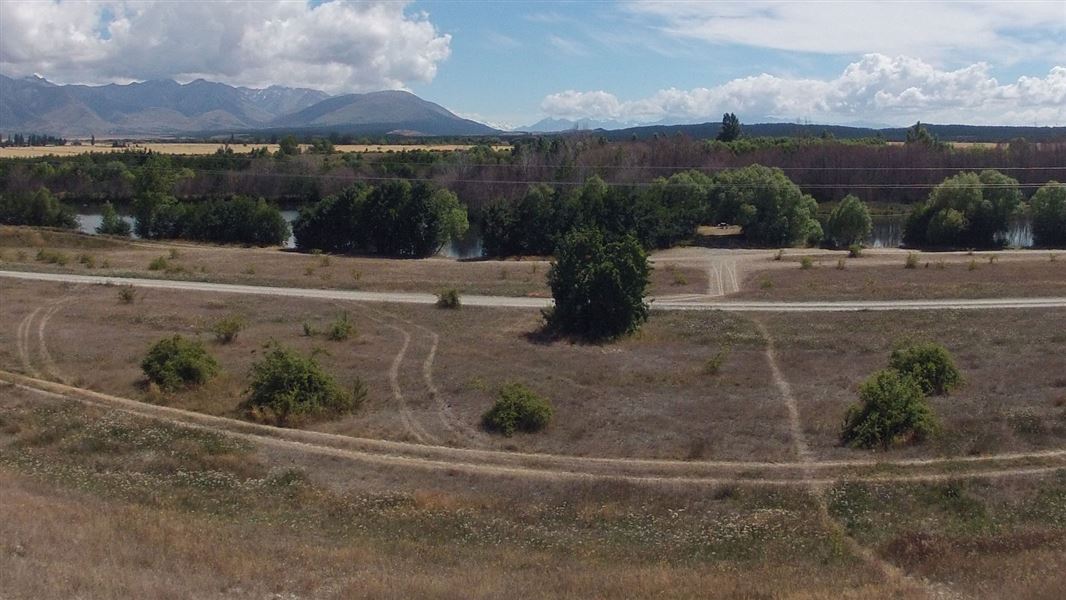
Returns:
(175, 362)
(806, 263)
(912, 261)
(126, 294)
(159, 264)
(713, 365)
(340, 330)
(930, 365)
(855, 251)
(448, 299)
(287, 388)
(53, 257)
(227, 328)
(891, 409)
(517, 409)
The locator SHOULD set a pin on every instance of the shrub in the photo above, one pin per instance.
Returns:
(713, 365)
(126, 294)
(517, 409)
(598, 286)
(448, 299)
(159, 264)
(841, 264)
(87, 260)
(226, 329)
(53, 257)
(806, 263)
(287, 388)
(855, 251)
(930, 365)
(309, 329)
(891, 409)
(850, 223)
(911, 261)
(175, 362)
(340, 330)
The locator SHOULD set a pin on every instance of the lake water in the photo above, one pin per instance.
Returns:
(469, 246)
(888, 232)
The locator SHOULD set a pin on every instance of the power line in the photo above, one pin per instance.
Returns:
(358, 178)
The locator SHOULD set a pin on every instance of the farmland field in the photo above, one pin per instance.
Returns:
(196, 149)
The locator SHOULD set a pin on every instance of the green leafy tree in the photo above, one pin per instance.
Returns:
(111, 223)
(730, 130)
(40, 209)
(930, 365)
(770, 208)
(158, 214)
(919, 134)
(175, 362)
(1048, 209)
(598, 286)
(970, 209)
(289, 388)
(849, 223)
(333, 224)
(237, 219)
(891, 409)
(288, 146)
(395, 218)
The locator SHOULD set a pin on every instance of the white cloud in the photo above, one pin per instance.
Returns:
(567, 46)
(336, 46)
(1004, 31)
(876, 89)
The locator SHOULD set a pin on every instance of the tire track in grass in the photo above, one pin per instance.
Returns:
(407, 418)
(22, 341)
(50, 365)
(497, 463)
(818, 489)
(448, 418)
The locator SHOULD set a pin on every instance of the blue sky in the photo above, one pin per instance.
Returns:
(512, 63)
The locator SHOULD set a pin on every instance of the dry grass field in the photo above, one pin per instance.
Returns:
(19, 247)
(197, 149)
(883, 276)
(661, 474)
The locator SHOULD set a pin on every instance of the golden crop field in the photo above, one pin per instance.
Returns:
(204, 148)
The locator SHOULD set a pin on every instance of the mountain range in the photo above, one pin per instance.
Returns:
(165, 107)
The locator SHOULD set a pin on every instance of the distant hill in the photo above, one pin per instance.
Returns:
(947, 133)
(550, 125)
(380, 112)
(165, 107)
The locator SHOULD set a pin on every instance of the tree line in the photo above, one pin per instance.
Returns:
(826, 169)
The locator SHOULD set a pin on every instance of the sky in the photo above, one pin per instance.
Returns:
(513, 63)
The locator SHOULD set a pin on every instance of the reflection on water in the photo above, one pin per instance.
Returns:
(887, 232)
